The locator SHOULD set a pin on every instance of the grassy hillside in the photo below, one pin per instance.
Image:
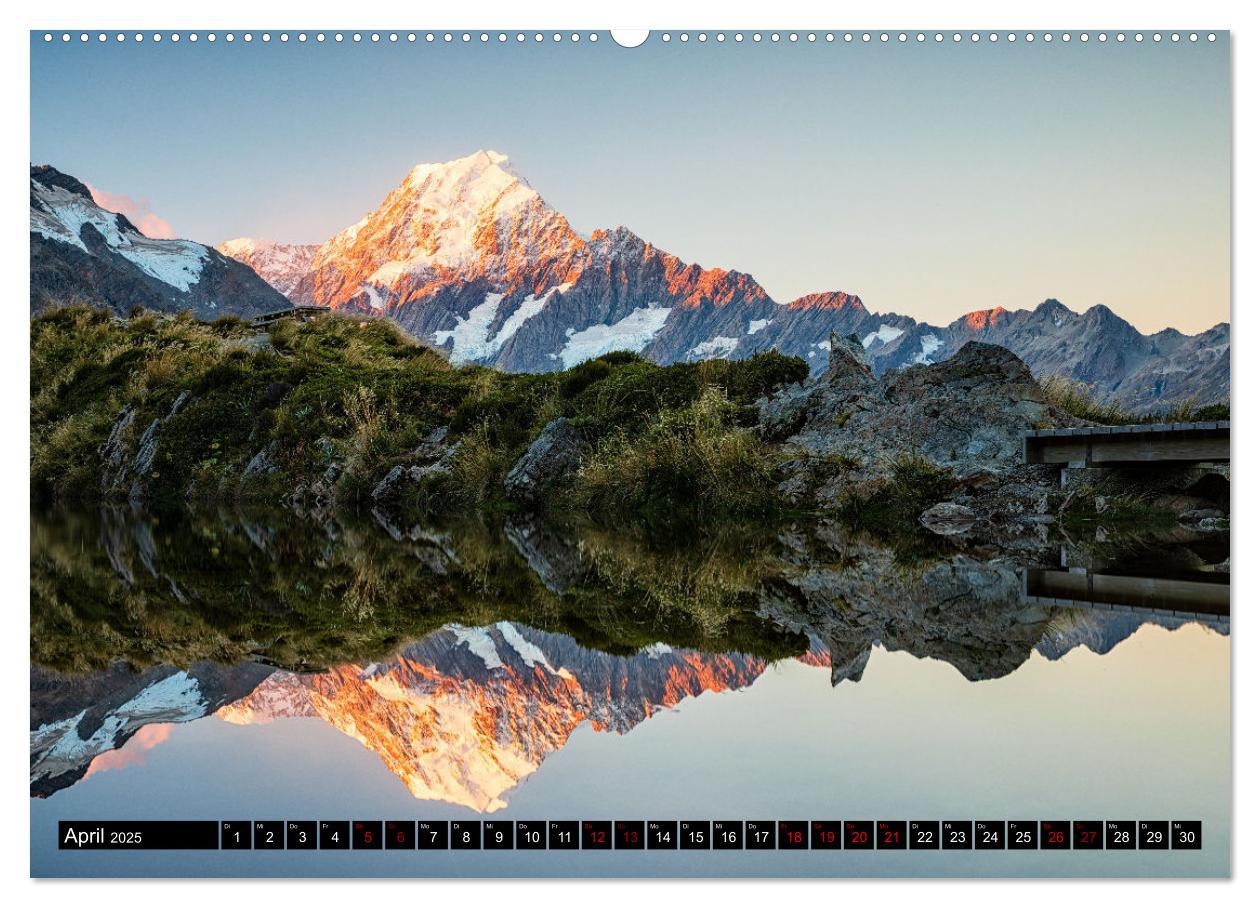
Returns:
(360, 395)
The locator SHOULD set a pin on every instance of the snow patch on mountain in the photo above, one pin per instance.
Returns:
(529, 307)
(462, 191)
(175, 698)
(469, 337)
(885, 334)
(928, 344)
(530, 654)
(480, 643)
(633, 333)
(716, 347)
(757, 324)
(374, 297)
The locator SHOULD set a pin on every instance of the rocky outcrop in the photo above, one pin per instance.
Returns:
(77, 718)
(125, 470)
(948, 518)
(433, 458)
(556, 452)
(966, 414)
(554, 556)
(962, 611)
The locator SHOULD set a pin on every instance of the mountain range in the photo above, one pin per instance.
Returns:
(468, 257)
(81, 251)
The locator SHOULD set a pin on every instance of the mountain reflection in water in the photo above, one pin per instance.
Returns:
(463, 656)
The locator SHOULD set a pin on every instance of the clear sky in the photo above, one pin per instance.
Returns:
(930, 179)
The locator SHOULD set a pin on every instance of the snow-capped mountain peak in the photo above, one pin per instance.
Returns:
(472, 220)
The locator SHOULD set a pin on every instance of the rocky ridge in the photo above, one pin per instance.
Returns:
(80, 251)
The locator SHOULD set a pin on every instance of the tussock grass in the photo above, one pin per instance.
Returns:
(1078, 400)
(362, 393)
(692, 461)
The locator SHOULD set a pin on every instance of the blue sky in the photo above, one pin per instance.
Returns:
(930, 179)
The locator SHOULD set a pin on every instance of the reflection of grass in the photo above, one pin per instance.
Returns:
(1067, 622)
(1127, 511)
(888, 510)
(708, 578)
(230, 588)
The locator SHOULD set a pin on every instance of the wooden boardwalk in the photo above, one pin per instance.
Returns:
(1202, 598)
(303, 313)
(1178, 442)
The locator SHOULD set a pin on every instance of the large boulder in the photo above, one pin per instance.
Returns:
(968, 412)
(555, 453)
(847, 362)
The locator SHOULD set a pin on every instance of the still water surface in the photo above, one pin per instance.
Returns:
(976, 705)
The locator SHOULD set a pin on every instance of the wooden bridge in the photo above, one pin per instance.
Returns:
(1192, 596)
(302, 313)
(1178, 442)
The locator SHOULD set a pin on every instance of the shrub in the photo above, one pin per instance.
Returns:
(687, 462)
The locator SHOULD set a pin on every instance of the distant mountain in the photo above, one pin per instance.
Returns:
(465, 714)
(279, 264)
(80, 250)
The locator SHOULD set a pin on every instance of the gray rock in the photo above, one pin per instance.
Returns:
(114, 454)
(389, 489)
(125, 471)
(966, 612)
(436, 458)
(968, 413)
(847, 361)
(1197, 515)
(553, 556)
(556, 452)
(260, 464)
(948, 519)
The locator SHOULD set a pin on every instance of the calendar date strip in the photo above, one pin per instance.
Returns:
(630, 835)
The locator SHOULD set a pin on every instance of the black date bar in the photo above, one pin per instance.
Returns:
(137, 835)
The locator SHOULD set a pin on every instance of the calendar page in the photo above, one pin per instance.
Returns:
(781, 453)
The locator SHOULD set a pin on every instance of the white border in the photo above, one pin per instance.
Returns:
(570, 14)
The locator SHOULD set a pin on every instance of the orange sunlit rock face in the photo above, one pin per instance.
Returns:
(984, 318)
(475, 221)
(466, 221)
(464, 715)
(831, 300)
